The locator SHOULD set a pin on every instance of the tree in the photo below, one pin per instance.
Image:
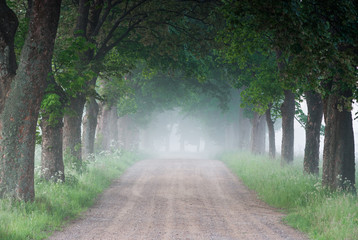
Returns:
(51, 114)
(24, 88)
(313, 130)
(110, 25)
(256, 22)
(318, 49)
(257, 78)
(64, 83)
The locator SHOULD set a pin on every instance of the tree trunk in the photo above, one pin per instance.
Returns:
(18, 118)
(52, 167)
(72, 130)
(271, 133)
(244, 131)
(123, 133)
(8, 66)
(313, 130)
(89, 127)
(258, 134)
(288, 117)
(108, 127)
(338, 153)
(128, 134)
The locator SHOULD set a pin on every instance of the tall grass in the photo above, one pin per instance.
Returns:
(57, 203)
(312, 209)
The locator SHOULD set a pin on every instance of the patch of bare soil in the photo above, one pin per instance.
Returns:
(179, 199)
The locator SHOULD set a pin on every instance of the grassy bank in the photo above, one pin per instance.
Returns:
(57, 203)
(321, 214)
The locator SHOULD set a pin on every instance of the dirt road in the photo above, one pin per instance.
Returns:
(179, 199)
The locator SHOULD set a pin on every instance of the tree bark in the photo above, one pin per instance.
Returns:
(128, 134)
(8, 66)
(313, 129)
(72, 143)
(51, 124)
(108, 127)
(52, 167)
(72, 129)
(258, 134)
(18, 118)
(271, 133)
(89, 127)
(288, 117)
(338, 153)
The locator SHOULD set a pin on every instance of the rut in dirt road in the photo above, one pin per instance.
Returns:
(179, 199)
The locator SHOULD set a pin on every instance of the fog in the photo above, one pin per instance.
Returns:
(172, 134)
(176, 134)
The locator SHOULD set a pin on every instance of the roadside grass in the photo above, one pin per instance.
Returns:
(322, 214)
(57, 203)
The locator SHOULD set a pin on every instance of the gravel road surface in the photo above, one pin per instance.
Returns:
(179, 199)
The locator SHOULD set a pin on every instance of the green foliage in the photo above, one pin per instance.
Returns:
(69, 70)
(51, 103)
(320, 213)
(316, 44)
(127, 105)
(256, 65)
(58, 203)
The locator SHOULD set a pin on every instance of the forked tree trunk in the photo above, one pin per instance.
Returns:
(52, 167)
(338, 153)
(313, 130)
(89, 127)
(72, 129)
(288, 117)
(258, 134)
(18, 118)
(271, 133)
